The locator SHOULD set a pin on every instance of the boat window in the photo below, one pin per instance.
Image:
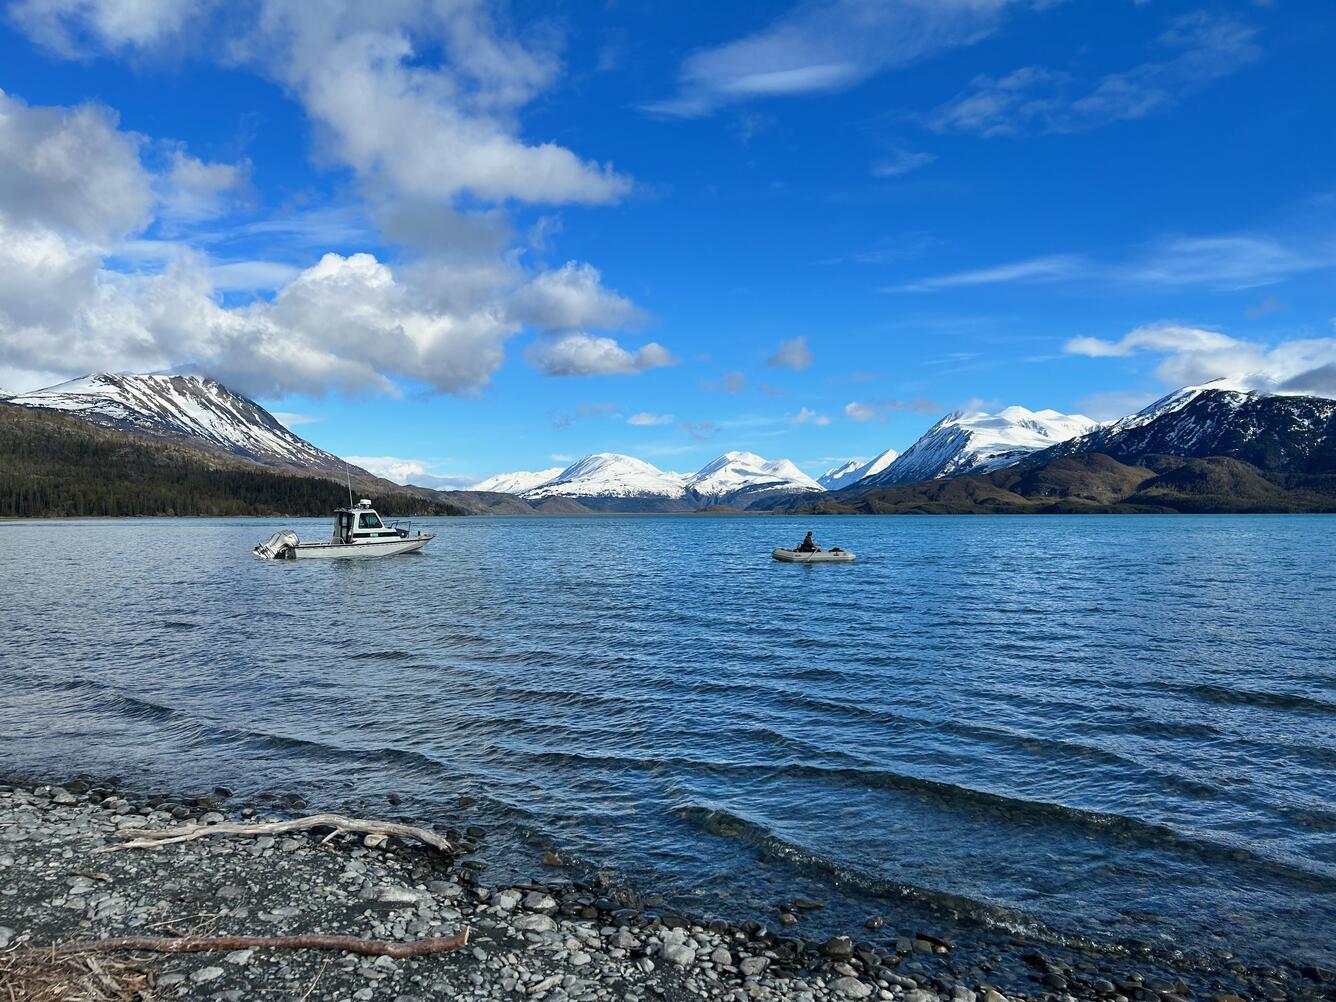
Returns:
(371, 521)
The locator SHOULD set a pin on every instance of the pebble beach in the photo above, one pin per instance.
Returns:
(561, 935)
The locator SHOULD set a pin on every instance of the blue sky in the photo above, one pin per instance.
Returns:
(483, 237)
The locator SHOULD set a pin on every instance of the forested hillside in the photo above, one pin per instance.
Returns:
(55, 465)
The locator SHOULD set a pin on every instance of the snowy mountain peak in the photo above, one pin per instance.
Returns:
(733, 472)
(978, 442)
(517, 482)
(609, 474)
(855, 470)
(189, 409)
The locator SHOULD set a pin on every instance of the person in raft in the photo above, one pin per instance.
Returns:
(807, 545)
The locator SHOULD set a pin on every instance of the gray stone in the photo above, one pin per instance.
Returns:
(920, 995)
(535, 923)
(679, 954)
(851, 988)
(206, 974)
(239, 956)
(721, 957)
(537, 901)
(752, 966)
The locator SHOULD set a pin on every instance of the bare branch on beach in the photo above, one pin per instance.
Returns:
(305, 941)
(152, 838)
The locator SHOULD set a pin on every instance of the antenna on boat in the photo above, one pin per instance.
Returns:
(348, 472)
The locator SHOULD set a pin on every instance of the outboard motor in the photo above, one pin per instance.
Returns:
(279, 546)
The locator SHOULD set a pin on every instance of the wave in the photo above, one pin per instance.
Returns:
(725, 824)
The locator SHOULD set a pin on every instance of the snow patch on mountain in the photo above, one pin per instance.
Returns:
(976, 442)
(855, 470)
(182, 408)
(517, 482)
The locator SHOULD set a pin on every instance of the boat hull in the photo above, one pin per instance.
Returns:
(357, 551)
(819, 557)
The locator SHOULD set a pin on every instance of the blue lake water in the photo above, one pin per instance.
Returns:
(1100, 726)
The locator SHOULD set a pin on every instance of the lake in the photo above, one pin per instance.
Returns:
(1092, 727)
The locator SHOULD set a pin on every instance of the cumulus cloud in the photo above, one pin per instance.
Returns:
(428, 127)
(71, 169)
(1193, 355)
(646, 419)
(572, 296)
(581, 354)
(77, 198)
(193, 190)
(1204, 48)
(792, 354)
(824, 46)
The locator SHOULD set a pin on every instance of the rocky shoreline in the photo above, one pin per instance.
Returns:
(554, 937)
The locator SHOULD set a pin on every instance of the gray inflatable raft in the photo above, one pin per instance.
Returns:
(835, 556)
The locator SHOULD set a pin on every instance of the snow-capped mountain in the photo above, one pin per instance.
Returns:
(1277, 433)
(610, 475)
(517, 482)
(189, 409)
(855, 470)
(610, 481)
(975, 442)
(735, 474)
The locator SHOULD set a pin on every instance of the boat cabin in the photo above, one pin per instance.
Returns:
(360, 524)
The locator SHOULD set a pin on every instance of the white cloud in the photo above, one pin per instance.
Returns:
(824, 46)
(71, 26)
(413, 471)
(581, 354)
(901, 162)
(290, 420)
(793, 353)
(572, 296)
(808, 416)
(1193, 355)
(71, 169)
(75, 198)
(426, 125)
(1033, 98)
(1038, 269)
(646, 419)
(880, 410)
(1230, 261)
(193, 191)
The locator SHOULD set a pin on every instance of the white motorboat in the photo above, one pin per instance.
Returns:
(832, 556)
(358, 532)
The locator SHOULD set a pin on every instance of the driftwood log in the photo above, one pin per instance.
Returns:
(152, 838)
(309, 941)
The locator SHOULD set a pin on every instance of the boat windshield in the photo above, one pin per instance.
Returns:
(371, 520)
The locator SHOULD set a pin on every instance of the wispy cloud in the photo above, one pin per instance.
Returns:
(289, 420)
(1036, 269)
(564, 419)
(732, 383)
(1230, 261)
(825, 46)
(646, 419)
(1204, 48)
(880, 410)
(900, 162)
